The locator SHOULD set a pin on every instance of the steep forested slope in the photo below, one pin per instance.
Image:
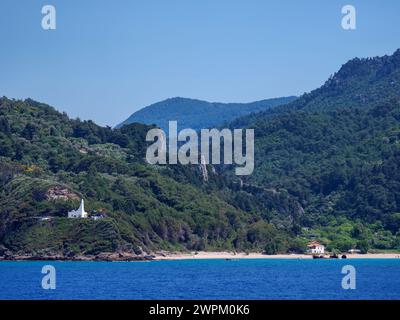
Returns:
(359, 83)
(336, 150)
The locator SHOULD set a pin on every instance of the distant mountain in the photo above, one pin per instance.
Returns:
(198, 114)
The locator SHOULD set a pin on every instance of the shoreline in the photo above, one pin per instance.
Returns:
(200, 255)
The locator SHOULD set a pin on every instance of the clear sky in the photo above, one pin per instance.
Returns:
(107, 59)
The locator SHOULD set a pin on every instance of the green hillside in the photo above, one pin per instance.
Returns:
(327, 168)
(336, 151)
(48, 162)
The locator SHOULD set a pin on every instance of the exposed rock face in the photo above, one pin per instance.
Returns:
(203, 169)
(61, 193)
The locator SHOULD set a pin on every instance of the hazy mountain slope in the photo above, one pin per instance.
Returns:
(197, 114)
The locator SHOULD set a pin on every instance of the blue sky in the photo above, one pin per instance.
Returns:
(107, 59)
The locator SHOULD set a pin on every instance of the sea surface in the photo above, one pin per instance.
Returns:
(203, 279)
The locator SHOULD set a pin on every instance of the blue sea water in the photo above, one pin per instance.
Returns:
(203, 279)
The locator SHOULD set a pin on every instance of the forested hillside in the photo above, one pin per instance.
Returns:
(48, 162)
(359, 83)
(326, 168)
(336, 150)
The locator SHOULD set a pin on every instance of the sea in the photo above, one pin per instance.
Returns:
(203, 279)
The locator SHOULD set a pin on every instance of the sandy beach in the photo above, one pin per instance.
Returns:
(232, 255)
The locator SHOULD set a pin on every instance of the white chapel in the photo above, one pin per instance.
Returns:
(80, 213)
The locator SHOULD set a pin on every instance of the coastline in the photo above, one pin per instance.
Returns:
(241, 255)
(200, 255)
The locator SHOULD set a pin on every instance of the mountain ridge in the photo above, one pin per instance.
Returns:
(198, 114)
(359, 82)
